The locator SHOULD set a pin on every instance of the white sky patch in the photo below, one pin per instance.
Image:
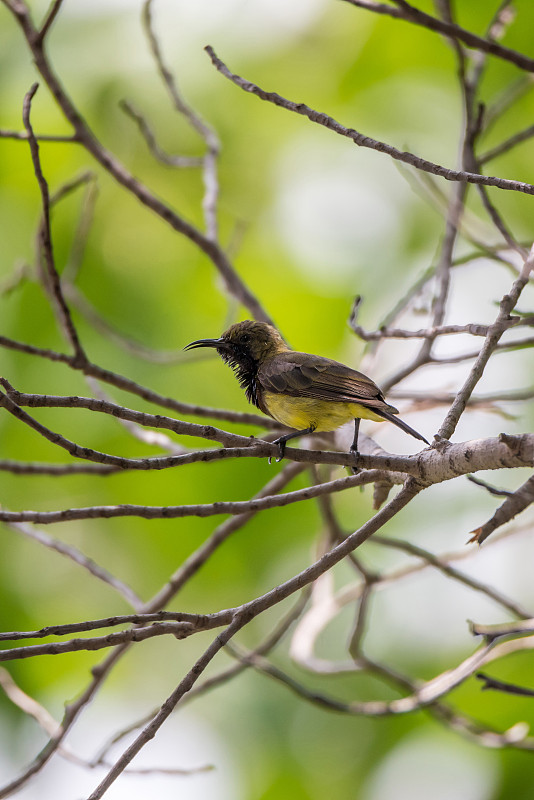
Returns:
(245, 24)
(184, 741)
(424, 766)
(333, 207)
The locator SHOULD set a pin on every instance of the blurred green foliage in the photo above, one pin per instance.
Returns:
(278, 176)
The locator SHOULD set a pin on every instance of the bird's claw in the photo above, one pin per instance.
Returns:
(356, 455)
(281, 451)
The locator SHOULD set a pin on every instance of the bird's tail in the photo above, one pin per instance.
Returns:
(400, 424)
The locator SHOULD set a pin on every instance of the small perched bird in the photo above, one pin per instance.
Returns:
(302, 391)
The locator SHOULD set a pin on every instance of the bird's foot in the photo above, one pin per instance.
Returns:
(356, 455)
(281, 449)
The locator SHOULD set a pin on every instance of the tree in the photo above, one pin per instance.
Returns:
(109, 265)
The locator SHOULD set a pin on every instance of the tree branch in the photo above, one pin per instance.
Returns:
(512, 506)
(45, 237)
(495, 332)
(409, 13)
(128, 385)
(362, 140)
(113, 166)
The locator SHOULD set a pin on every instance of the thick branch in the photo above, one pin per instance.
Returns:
(432, 465)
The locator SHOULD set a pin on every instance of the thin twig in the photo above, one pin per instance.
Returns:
(128, 385)
(245, 614)
(494, 334)
(23, 136)
(514, 504)
(213, 146)
(362, 140)
(235, 508)
(489, 488)
(49, 20)
(45, 237)
(501, 686)
(507, 145)
(72, 553)
(451, 572)
(86, 137)
(148, 135)
(218, 679)
(34, 468)
(409, 13)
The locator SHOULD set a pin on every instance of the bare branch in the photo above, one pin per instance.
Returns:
(199, 510)
(474, 329)
(198, 621)
(168, 706)
(507, 145)
(14, 399)
(49, 21)
(430, 466)
(445, 398)
(116, 169)
(512, 506)
(40, 137)
(362, 140)
(45, 238)
(425, 694)
(409, 13)
(96, 643)
(128, 385)
(442, 565)
(491, 489)
(494, 334)
(30, 468)
(213, 146)
(501, 686)
(492, 632)
(72, 553)
(149, 137)
(516, 736)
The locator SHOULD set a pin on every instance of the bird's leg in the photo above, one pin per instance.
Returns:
(281, 442)
(354, 445)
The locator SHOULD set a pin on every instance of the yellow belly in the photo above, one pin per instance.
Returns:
(322, 415)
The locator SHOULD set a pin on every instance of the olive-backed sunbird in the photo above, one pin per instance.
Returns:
(302, 391)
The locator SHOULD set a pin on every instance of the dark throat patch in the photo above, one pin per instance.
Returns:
(246, 371)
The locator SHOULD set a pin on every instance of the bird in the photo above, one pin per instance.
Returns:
(302, 391)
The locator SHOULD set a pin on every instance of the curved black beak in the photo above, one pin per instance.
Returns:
(217, 343)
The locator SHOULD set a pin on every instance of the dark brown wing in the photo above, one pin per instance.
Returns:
(304, 375)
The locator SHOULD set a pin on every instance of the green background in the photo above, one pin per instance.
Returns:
(310, 221)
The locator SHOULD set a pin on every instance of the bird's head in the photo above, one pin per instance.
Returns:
(246, 344)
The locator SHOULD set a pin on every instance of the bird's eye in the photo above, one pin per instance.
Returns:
(245, 338)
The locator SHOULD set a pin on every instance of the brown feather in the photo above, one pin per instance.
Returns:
(304, 375)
